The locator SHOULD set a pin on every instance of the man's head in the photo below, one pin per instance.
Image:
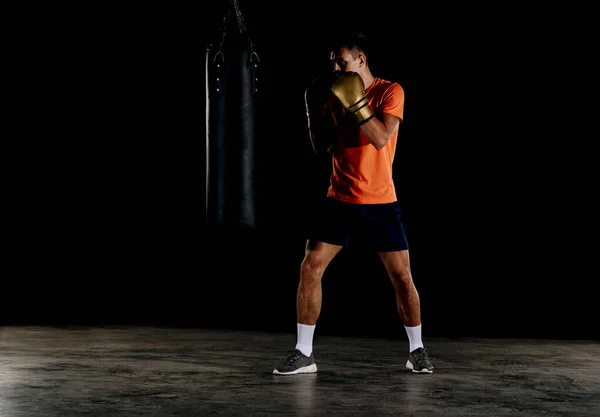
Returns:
(350, 53)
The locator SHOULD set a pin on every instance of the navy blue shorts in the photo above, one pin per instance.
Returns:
(377, 227)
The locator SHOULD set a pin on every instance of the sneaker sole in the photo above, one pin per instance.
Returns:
(410, 366)
(305, 370)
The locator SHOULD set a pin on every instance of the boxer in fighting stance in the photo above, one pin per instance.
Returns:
(354, 117)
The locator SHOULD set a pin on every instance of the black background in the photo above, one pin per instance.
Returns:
(109, 199)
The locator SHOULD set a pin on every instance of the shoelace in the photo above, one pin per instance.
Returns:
(292, 358)
(422, 355)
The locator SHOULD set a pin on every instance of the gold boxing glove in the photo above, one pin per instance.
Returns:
(350, 91)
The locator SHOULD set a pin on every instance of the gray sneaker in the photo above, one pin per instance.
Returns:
(418, 361)
(296, 363)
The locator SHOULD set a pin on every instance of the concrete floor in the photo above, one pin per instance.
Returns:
(147, 371)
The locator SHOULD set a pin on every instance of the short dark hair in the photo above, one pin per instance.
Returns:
(356, 42)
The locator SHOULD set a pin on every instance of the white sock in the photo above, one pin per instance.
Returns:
(305, 338)
(414, 337)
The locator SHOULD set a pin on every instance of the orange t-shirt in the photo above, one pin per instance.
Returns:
(361, 173)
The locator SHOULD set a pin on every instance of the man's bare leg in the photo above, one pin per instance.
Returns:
(408, 304)
(317, 257)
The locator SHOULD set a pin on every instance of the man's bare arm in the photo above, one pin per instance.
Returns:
(379, 132)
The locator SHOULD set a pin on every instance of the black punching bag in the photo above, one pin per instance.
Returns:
(231, 115)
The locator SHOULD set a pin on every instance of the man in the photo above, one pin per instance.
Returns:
(355, 120)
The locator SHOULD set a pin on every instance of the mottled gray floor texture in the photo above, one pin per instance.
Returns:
(151, 371)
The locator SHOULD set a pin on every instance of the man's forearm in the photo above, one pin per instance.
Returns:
(379, 132)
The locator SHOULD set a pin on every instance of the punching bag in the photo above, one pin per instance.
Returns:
(231, 116)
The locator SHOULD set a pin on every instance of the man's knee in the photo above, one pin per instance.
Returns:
(401, 276)
(312, 269)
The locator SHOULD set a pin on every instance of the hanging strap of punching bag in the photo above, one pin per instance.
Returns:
(254, 59)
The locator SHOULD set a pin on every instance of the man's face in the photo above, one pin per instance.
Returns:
(345, 62)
